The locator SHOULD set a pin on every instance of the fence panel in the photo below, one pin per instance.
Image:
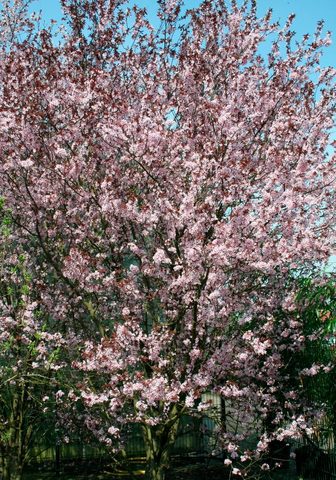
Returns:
(326, 467)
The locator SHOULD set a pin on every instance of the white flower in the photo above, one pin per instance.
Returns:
(113, 431)
(189, 401)
(160, 257)
(26, 163)
(59, 394)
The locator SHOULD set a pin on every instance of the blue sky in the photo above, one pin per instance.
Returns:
(308, 13)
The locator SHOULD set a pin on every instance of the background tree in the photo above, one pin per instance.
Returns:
(318, 301)
(168, 181)
(28, 355)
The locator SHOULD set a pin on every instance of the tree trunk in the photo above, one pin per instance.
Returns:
(159, 440)
(11, 468)
(12, 463)
(17, 438)
(155, 472)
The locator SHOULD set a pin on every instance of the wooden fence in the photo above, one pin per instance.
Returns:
(192, 440)
(313, 463)
(326, 467)
(196, 437)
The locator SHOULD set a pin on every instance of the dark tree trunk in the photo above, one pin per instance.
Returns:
(11, 468)
(17, 438)
(159, 440)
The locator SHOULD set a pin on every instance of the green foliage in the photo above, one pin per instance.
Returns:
(5, 219)
(318, 312)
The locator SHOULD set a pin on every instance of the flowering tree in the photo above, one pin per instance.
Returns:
(169, 183)
(28, 355)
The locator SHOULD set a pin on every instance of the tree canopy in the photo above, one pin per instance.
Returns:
(167, 188)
